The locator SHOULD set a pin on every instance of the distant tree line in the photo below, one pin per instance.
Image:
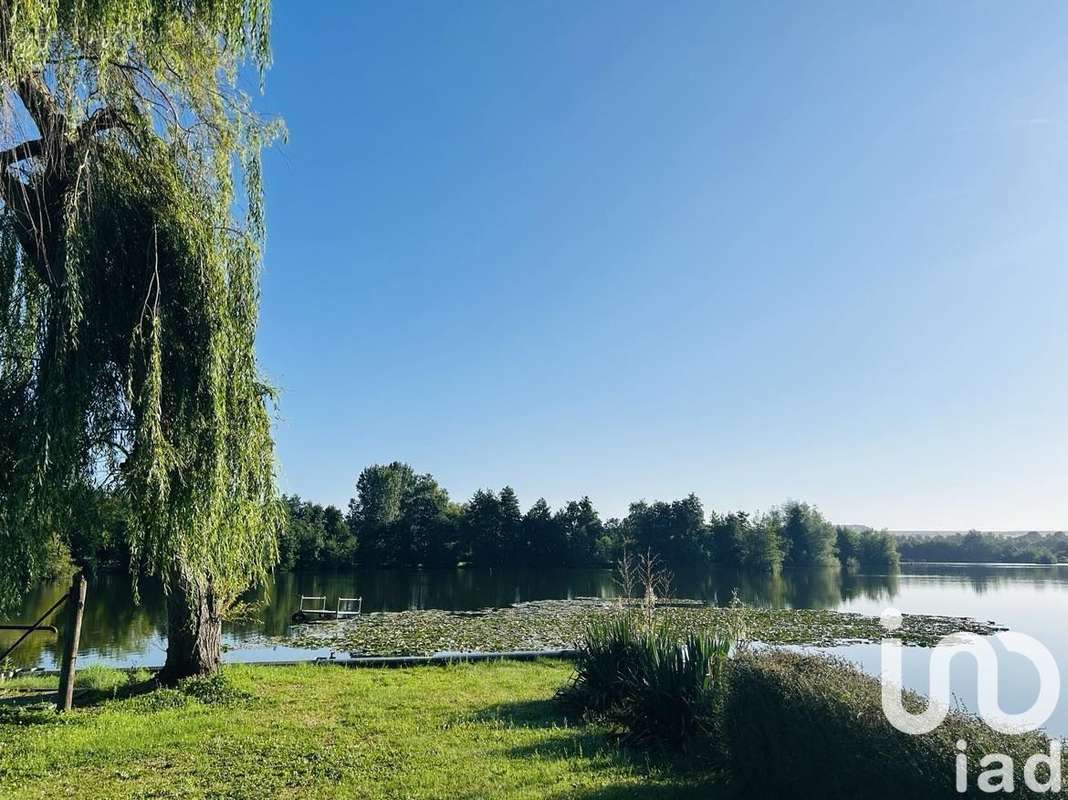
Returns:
(975, 546)
(403, 518)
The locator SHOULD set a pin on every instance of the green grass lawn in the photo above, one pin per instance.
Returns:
(465, 731)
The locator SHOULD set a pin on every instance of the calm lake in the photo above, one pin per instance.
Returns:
(1029, 599)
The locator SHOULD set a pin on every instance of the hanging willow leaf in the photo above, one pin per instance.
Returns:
(128, 290)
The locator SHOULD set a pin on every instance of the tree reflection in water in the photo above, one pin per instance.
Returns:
(119, 631)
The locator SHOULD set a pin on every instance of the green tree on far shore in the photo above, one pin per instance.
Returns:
(808, 537)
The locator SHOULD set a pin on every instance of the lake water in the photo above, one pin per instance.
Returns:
(1028, 599)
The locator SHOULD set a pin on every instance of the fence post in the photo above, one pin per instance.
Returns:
(75, 606)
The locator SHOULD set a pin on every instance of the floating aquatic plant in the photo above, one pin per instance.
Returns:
(561, 624)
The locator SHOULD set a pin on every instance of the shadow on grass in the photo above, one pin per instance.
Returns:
(38, 706)
(528, 714)
(665, 774)
(102, 687)
(29, 707)
(709, 789)
(92, 696)
(581, 742)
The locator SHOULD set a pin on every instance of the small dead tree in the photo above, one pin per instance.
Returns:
(655, 579)
(626, 576)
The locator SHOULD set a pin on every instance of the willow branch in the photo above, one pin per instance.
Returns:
(41, 106)
(100, 120)
(32, 148)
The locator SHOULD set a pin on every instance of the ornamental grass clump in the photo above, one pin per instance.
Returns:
(599, 681)
(671, 690)
(658, 688)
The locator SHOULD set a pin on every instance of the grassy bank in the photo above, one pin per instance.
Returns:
(488, 730)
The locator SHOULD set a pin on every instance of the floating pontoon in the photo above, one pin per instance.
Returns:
(314, 607)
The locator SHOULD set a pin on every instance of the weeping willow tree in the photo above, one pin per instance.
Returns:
(129, 295)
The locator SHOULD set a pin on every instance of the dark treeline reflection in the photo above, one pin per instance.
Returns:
(115, 628)
(811, 588)
(983, 578)
(113, 625)
(118, 630)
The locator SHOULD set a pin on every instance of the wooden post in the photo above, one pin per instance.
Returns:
(75, 606)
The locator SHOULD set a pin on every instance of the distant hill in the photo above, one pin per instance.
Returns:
(1007, 534)
(902, 534)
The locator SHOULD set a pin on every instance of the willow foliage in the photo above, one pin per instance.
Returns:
(128, 291)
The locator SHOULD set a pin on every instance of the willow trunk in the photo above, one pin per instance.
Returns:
(194, 628)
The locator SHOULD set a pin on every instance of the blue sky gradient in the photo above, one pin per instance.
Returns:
(753, 251)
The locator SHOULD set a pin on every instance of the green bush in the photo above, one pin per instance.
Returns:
(598, 684)
(797, 725)
(658, 688)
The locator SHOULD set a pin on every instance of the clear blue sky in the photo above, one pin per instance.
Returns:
(633, 250)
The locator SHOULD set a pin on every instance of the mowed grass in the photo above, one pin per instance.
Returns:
(466, 731)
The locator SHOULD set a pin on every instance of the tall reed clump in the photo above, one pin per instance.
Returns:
(604, 662)
(658, 687)
(672, 693)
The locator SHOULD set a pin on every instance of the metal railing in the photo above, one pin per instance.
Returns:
(76, 599)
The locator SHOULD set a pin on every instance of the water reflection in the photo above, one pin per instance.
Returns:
(791, 589)
(118, 631)
(982, 578)
(113, 626)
